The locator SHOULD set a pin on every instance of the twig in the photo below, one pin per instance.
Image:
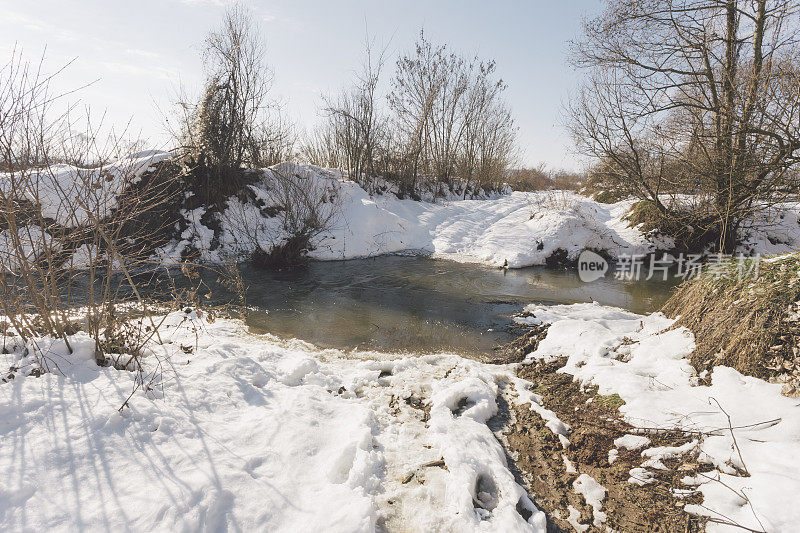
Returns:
(730, 426)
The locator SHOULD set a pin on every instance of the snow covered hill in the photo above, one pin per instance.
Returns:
(515, 229)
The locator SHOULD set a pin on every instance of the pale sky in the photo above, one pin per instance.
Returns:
(139, 51)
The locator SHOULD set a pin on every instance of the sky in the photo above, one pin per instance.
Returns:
(137, 53)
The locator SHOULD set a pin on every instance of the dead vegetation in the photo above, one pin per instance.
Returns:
(691, 227)
(749, 324)
(76, 238)
(233, 123)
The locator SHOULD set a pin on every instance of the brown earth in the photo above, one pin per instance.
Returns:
(539, 459)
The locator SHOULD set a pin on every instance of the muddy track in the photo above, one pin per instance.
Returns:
(548, 470)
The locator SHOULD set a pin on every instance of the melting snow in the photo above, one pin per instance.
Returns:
(644, 361)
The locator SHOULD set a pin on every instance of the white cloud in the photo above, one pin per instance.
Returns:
(146, 54)
(118, 67)
(219, 3)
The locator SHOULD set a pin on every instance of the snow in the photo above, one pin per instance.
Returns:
(515, 229)
(594, 494)
(574, 520)
(570, 467)
(57, 187)
(632, 442)
(249, 432)
(476, 460)
(656, 455)
(643, 359)
(518, 229)
(773, 231)
(29, 243)
(641, 476)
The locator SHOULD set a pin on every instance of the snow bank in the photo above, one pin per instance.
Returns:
(56, 188)
(517, 229)
(248, 432)
(775, 231)
(645, 362)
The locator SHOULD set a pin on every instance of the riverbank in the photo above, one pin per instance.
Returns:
(236, 431)
(717, 444)
(512, 229)
(604, 424)
(515, 229)
(605, 413)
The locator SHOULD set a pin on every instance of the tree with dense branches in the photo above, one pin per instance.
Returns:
(699, 96)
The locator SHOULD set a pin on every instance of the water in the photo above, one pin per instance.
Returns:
(421, 305)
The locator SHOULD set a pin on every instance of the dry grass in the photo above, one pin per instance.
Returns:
(693, 228)
(745, 323)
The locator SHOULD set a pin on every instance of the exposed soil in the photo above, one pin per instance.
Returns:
(516, 350)
(540, 459)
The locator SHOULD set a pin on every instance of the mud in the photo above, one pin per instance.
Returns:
(540, 459)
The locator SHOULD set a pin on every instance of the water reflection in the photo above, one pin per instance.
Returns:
(416, 304)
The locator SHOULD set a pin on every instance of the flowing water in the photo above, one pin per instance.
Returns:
(421, 305)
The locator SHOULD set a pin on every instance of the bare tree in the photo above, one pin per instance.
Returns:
(702, 92)
(451, 116)
(320, 148)
(416, 85)
(234, 123)
(354, 121)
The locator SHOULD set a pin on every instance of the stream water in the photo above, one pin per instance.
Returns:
(421, 305)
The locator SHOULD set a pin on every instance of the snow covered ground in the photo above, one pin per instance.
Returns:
(644, 361)
(516, 229)
(248, 432)
(55, 188)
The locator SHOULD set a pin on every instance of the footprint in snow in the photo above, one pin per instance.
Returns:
(486, 496)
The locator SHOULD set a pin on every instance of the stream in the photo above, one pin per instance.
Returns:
(416, 304)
